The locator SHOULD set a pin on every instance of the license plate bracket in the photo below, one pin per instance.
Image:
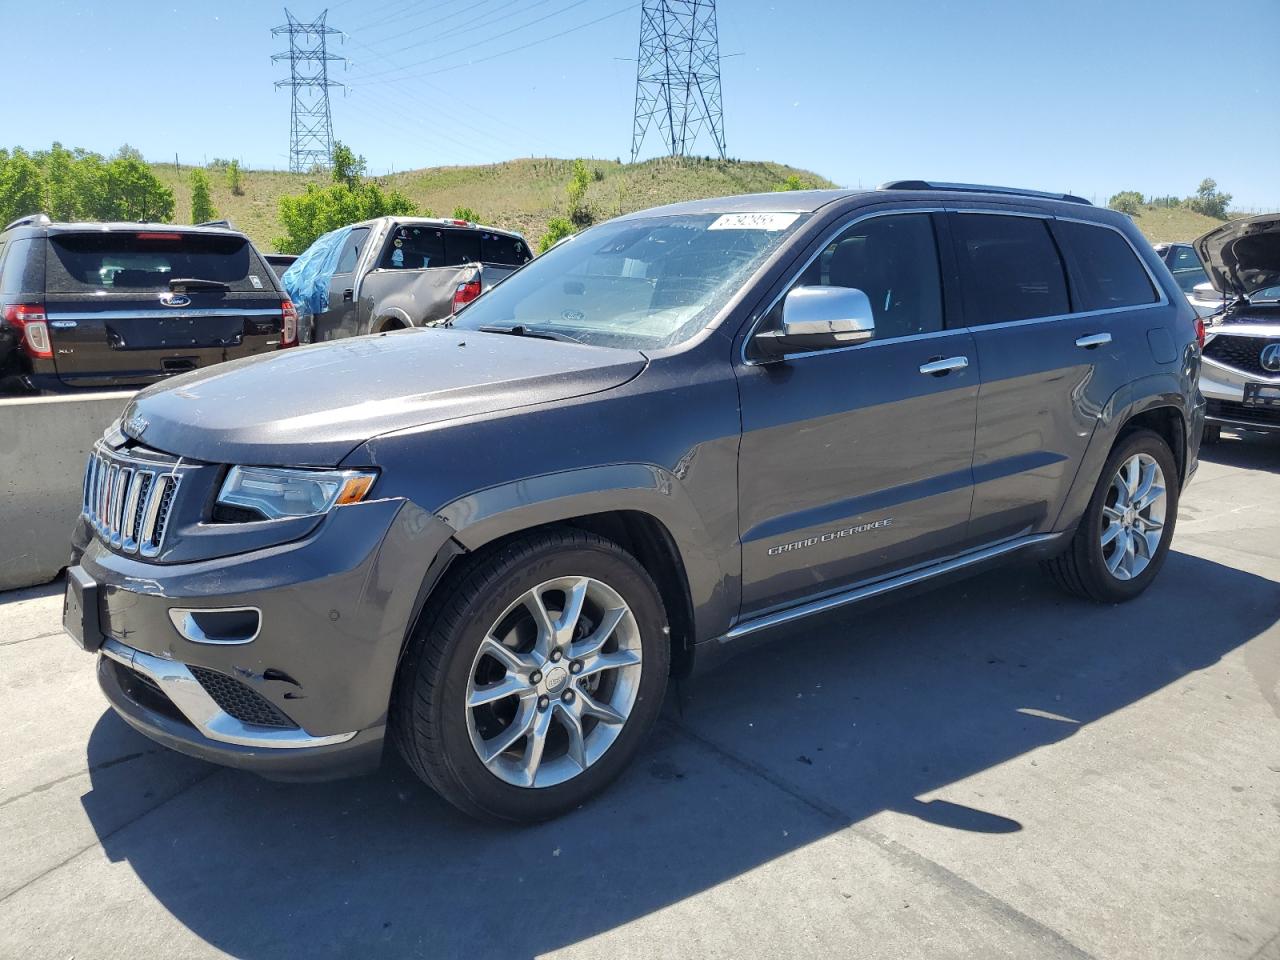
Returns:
(80, 610)
(1262, 395)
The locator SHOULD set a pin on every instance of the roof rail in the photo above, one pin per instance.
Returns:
(40, 218)
(215, 223)
(979, 188)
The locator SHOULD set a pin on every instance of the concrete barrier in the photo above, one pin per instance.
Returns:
(44, 444)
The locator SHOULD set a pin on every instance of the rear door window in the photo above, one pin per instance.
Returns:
(1010, 268)
(501, 249)
(1106, 270)
(350, 255)
(422, 247)
(18, 274)
(149, 260)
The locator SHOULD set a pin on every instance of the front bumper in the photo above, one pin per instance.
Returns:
(1224, 387)
(305, 694)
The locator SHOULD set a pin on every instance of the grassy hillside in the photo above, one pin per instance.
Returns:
(520, 194)
(523, 194)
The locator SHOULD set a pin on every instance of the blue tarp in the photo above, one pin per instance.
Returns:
(307, 279)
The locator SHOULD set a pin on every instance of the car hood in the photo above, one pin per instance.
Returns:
(1242, 256)
(311, 406)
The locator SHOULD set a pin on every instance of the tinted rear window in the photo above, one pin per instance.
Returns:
(1010, 267)
(416, 248)
(147, 261)
(1106, 271)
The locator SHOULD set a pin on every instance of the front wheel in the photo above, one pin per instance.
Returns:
(1124, 535)
(532, 683)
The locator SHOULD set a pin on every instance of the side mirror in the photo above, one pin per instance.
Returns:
(818, 318)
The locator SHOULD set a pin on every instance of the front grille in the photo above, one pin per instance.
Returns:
(239, 701)
(129, 501)
(1244, 412)
(1240, 353)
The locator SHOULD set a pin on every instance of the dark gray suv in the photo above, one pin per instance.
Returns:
(492, 543)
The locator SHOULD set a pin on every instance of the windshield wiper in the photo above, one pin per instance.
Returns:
(195, 283)
(523, 330)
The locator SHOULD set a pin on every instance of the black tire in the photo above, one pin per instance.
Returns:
(1212, 433)
(1081, 569)
(428, 716)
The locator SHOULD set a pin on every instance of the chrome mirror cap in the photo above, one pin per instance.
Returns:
(842, 314)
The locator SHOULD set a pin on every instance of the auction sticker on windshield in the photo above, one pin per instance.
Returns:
(754, 221)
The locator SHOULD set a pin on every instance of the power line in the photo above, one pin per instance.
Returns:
(310, 119)
(482, 40)
(678, 75)
(508, 51)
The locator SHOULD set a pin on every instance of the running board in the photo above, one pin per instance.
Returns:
(881, 587)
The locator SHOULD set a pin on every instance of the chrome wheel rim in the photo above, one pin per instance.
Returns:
(553, 682)
(1133, 517)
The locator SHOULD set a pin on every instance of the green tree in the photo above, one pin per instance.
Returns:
(792, 182)
(1208, 200)
(21, 185)
(347, 167)
(201, 203)
(305, 216)
(466, 213)
(235, 181)
(576, 191)
(132, 191)
(557, 229)
(1126, 201)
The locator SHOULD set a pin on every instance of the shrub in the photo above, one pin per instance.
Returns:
(1126, 201)
(201, 203)
(576, 191)
(347, 167)
(557, 229)
(318, 210)
(792, 182)
(1208, 200)
(466, 213)
(235, 182)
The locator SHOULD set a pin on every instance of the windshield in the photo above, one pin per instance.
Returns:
(634, 283)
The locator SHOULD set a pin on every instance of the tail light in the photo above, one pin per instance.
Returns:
(289, 324)
(1200, 331)
(465, 293)
(33, 332)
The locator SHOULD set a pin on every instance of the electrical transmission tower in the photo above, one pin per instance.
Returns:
(311, 123)
(678, 75)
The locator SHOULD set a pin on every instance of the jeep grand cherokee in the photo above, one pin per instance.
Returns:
(491, 544)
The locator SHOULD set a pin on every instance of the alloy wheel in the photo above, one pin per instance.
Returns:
(1133, 517)
(553, 682)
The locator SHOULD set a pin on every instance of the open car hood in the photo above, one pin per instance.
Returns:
(311, 406)
(1242, 256)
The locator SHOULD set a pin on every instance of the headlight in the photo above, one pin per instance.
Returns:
(275, 493)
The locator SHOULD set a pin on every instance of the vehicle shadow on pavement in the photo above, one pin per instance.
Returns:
(1250, 451)
(783, 746)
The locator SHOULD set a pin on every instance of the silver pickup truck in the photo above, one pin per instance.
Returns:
(395, 272)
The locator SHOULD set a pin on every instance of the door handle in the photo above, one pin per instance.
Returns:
(944, 365)
(1093, 340)
(348, 295)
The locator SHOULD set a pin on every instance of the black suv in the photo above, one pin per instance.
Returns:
(492, 543)
(124, 304)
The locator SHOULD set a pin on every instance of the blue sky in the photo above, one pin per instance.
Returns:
(1092, 96)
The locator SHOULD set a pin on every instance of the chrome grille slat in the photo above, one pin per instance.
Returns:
(127, 501)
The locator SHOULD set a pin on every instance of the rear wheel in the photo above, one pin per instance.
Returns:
(1124, 535)
(532, 683)
(388, 324)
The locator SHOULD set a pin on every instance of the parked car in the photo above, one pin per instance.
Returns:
(279, 262)
(94, 305)
(1241, 372)
(490, 544)
(1189, 273)
(397, 272)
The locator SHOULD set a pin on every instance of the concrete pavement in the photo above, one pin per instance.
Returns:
(987, 770)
